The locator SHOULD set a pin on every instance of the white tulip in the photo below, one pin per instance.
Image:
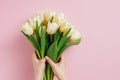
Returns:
(75, 35)
(61, 15)
(65, 26)
(52, 28)
(49, 14)
(41, 14)
(58, 18)
(27, 29)
(32, 23)
(39, 18)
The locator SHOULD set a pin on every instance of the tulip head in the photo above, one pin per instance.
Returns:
(49, 14)
(27, 29)
(52, 28)
(58, 18)
(39, 17)
(75, 35)
(65, 26)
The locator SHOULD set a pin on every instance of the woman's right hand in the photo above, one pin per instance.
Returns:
(58, 68)
(39, 67)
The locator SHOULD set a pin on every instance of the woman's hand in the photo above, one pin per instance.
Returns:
(58, 68)
(39, 67)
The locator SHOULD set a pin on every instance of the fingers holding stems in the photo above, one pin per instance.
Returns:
(39, 67)
(58, 68)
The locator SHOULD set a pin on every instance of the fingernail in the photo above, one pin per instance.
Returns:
(46, 57)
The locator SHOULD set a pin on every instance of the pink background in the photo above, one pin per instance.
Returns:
(96, 58)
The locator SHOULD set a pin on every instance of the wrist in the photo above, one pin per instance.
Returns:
(39, 76)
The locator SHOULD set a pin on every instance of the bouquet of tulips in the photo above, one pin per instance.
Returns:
(50, 34)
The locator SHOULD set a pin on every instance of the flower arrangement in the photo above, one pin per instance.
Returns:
(50, 34)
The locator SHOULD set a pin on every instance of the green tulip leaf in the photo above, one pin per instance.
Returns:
(56, 36)
(37, 34)
(63, 47)
(63, 39)
(67, 46)
(42, 42)
(52, 51)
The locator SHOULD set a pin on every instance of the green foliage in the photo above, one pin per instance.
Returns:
(42, 42)
(37, 33)
(63, 40)
(67, 46)
(52, 51)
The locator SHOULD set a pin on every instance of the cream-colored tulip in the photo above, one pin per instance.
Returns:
(58, 18)
(39, 17)
(52, 28)
(49, 14)
(75, 35)
(27, 29)
(65, 26)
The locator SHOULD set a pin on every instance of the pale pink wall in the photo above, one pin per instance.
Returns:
(96, 58)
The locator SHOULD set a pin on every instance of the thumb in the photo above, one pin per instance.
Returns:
(42, 61)
(52, 64)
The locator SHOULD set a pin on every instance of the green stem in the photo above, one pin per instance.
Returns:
(42, 54)
(48, 72)
(52, 75)
(45, 76)
(38, 54)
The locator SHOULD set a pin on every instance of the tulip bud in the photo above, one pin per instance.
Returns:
(39, 18)
(65, 26)
(27, 29)
(52, 28)
(75, 35)
(58, 18)
(49, 15)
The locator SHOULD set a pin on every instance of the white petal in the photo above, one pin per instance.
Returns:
(61, 16)
(52, 28)
(27, 29)
(49, 14)
(58, 18)
(74, 35)
(38, 17)
(65, 26)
